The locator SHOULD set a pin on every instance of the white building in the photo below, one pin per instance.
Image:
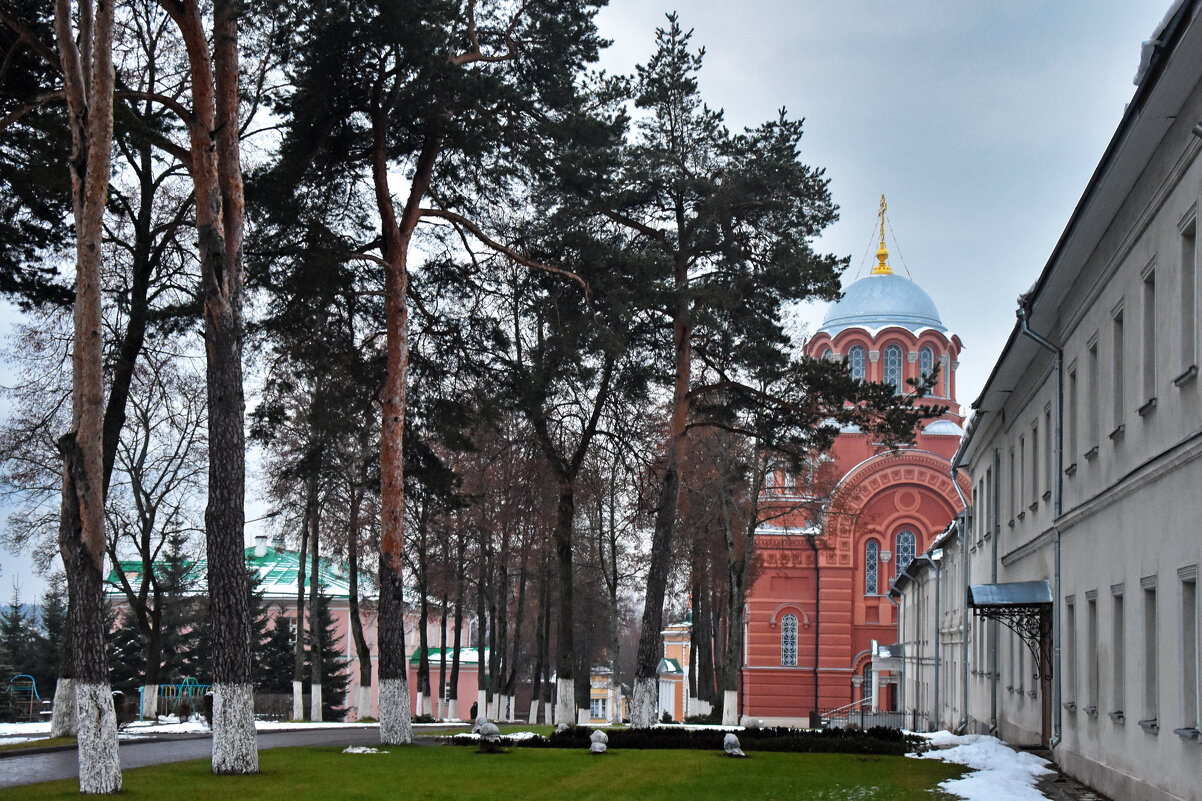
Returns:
(1085, 532)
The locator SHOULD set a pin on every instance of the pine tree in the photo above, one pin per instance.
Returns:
(18, 637)
(273, 661)
(50, 637)
(127, 656)
(335, 678)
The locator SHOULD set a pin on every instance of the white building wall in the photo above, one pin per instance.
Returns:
(1122, 306)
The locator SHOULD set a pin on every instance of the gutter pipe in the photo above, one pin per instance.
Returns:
(961, 527)
(996, 531)
(1057, 508)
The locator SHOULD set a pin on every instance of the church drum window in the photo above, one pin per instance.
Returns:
(788, 641)
(893, 368)
(855, 363)
(926, 362)
(872, 555)
(905, 549)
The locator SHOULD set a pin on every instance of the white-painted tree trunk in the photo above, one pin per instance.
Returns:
(584, 717)
(315, 702)
(298, 700)
(99, 759)
(511, 707)
(642, 706)
(363, 708)
(428, 706)
(421, 703)
(64, 721)
(533, 719)
(235, 744)
(493, 707)
(150, 702)
(730, 708)
(699, 707)
(548, 714)
(396, 718)
(481, 704)
(453, 709)
(565, 701)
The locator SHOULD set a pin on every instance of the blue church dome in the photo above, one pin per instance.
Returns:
(879, 300)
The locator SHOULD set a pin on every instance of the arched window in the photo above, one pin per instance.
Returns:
(893, 368)
(872, 558)
(827, 354)
(926, 362)
(866, 685)
(855, 362)
(788, 641)
(905, 548)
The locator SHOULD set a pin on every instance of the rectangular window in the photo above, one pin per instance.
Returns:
(1092, 405)
(1091, 655)
(1048, 451)
(1072, 415)
(1189, 334)
(1013, 491)
(1070, 651)
(1022, 473)
(1116, 369)
(1189, 651)
(1118, 677)
(1151, 655)
(1149, 354)
(1035, 490)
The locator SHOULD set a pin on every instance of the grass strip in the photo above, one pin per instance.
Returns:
(462, 774)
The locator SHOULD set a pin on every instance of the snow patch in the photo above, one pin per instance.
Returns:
(362, 749)
(999, 772)
(517, 735)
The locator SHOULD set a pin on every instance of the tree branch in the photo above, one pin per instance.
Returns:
(460, 220)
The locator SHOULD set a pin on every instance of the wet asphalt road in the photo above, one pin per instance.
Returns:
(30, 768)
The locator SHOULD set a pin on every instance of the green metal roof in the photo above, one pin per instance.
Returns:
(277, 570)
(467, 656)
(667, 665)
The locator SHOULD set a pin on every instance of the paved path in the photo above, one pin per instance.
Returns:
(48, 766)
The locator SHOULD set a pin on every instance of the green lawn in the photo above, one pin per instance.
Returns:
(451, 773)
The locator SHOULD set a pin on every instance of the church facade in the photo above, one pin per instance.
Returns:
(819, 593)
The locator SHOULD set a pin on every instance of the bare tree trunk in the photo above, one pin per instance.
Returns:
(302, 566)
(460, 580)
(481, 627)
(423, 605)
(315, 602)
(88, 83)
(565, 655)
(650, 650)
(396, 718)
(540, 641)
(217, 175)
(441, 711)
(363, 703)
(512, 671)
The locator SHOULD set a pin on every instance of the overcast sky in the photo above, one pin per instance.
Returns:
(980, 121)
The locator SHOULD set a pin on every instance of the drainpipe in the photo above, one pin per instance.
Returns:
(995, 516)
(938, 639)
(1057, 509)
(901, 638)
(961, 526)
(810, 538)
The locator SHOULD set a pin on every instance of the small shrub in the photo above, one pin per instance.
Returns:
(424, 719)
(667, 718)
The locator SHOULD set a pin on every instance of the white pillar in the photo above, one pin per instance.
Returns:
(876, 686)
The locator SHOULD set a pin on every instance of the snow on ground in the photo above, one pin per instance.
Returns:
(999, 773)
(517, 735)
(362, 749)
